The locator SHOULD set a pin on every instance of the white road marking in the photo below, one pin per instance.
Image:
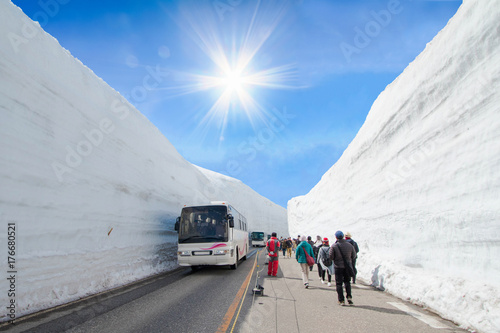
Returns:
(432, 322)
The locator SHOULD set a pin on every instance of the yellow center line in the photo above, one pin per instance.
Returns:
(226, 321)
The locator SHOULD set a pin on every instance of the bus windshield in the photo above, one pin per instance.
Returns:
(257, 236)
(203, 224)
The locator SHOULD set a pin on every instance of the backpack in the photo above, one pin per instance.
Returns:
(275, 247)
(327, 261)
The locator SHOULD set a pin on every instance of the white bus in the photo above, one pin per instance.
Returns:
(259, 238)
(214, 234)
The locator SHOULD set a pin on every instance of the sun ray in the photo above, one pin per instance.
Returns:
(263, 23)
(276, 77)
(235, 73)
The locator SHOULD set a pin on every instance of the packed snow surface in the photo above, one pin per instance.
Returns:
(92, 187)
(419, 186)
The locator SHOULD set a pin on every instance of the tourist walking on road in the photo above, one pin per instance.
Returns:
(300, 255)
(325, 264)
(283, 246)
(356, 248)
(273, 248)
(317, 244)
(340, 252)
(310, 241)
(289, 245)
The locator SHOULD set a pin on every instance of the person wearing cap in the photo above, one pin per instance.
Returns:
(356, 248)
(338, 252)
(324, 253)
(300, 255)
(316, 245)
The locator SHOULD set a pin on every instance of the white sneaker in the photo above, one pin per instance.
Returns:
(329, 284)
(322, 282)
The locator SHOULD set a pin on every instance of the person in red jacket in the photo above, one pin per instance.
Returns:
(273, 248)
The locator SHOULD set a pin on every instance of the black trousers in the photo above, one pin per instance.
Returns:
(355, 271)
(340, 279)
(323, 273)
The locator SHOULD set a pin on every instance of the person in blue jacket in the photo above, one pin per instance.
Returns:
(300, 255)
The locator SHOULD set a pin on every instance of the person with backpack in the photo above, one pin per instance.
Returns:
(273, 248)
(300, 255)
(342, 253)
(316, 245)
(356, 248)
(325, 264)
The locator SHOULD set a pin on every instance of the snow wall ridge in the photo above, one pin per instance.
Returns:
(90, 179)
(418, 185)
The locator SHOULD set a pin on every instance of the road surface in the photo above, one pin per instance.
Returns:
(218, 299)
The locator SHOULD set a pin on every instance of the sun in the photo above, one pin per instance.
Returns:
(233, 81)
(238, 78)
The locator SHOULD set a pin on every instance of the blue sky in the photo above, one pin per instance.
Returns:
(269, 92)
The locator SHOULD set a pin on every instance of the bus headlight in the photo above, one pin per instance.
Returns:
(184, 253)
(220, 252)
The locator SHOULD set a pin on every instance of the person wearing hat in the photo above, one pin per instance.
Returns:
(300, 255)
(356, 248)
(316, 245)
(339, 252)
(323, 265)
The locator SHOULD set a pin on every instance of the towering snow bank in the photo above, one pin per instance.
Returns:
(266, 215)
(419, 186)
(91, 185)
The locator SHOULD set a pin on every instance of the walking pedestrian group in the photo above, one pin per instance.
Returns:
(338, 260)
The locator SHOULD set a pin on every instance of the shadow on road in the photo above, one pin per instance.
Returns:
(378, 309)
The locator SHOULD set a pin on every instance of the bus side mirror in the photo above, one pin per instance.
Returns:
(230, 219)
(177, 224)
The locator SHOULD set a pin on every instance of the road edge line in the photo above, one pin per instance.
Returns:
(228, 317)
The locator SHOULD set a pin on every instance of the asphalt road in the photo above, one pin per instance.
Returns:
(179, 301)
(216, 299)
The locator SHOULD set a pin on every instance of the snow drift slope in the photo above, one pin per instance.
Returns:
(266, 215)
(92, 186)
(419, 186)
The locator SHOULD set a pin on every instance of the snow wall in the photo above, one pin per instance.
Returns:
(92, 187)
(419, 186)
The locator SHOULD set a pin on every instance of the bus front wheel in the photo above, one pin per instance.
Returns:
(246, 253)
(235, 265)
